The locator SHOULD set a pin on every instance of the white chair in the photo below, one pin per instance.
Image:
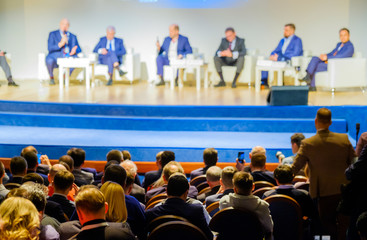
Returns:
(8, 59)
(343, 73)
(300, 65)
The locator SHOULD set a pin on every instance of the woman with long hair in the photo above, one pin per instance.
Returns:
(115, 197)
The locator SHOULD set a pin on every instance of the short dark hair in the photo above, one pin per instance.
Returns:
(28, 149)
(229, 29)
(177, 185)
(68, 160)
(115, 173)
(18, 165)
(284, 174)
(227, 176)
(344, 29)
(297, 138)
(33, 177)
(323, 115)
(210, 156)
(32, 159)
(109, 163)
(78, 156)
(63, 180)
(243, 182)
(362, 225)
(291, 25)
(167, 156)
(258, 160)
(126, 155)
(114, 155)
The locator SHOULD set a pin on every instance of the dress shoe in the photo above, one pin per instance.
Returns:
(109, 83)
(176, 82)
(121, 73)
(220, 84)
(312, 89)
(52, 81)
(234, 85)
(161, 83)
(13, 84)
(306, 79)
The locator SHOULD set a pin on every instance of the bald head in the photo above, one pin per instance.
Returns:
(64, 25)
(257, 150)
(173, 31)
(55, 169)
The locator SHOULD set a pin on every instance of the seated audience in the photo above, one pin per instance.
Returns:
(115, 197)
(126, 155)
(161, 187)
(210, 157)
(162, 158)
(115, 155)
(258, 171)
(91, 207)
(19, 219)
(18, 169)
(242, 198)
(213, 179)
(226, 185)
(254, 150)
(55, 169)
(296, 140)
(362, 226)
(177, 191)
(136, 191)
(32, 163)
(45, 165)
(3, 190)
(33, 177)
(78, 155)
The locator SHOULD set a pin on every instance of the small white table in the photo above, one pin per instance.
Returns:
(271, 66)
(67, 63)
(190, 63)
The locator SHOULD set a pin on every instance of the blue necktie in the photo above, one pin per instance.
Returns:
(110, 47)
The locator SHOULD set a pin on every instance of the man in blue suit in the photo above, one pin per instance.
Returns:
(61, 44)
(344, 49)
(175, 46)
(288, 47)
(111, 50)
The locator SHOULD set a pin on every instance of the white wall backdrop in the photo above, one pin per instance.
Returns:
(25, 25)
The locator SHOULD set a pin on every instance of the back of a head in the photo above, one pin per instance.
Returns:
(126, 155)
(210, 156)
(258, 160)
(32, 159)
(18, 165)
(284, 174)
(90, 200)
(56, 168)
(28, 149)
(115, 173)
(297, 138)
(362, 225)
(243, 183)
(166, 157)
(177, 185)
(323, 116)
(227, 176)
(33, 177)
(115, 197)
(129, 166)
(213, 174)
(63, 180)
(68, 160)
(78, 155)
(36, 193)
(171, 168)
(129, 180)
(114, 155)
(257, 150)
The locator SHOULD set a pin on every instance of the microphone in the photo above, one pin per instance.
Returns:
(358, 127)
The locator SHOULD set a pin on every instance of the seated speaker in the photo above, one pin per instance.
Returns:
(288, 95)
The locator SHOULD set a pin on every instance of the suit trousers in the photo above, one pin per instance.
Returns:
(5, 66)
(109, 59)
(227, 61)
(316, 65)
(51, 62)
(162, 60)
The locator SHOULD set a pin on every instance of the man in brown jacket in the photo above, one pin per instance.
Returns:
(327, 154)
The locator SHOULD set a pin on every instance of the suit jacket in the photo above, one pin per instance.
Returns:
(239, 47)
(119, 47)
(67, 206)
(82, 177)
(213, 191)
(183, 46)
(13, 179)
(327, 154)
(198, 172)
(294, 49)
(135, 216)
(176, 206)
(54, 38)
(138, 193)
(346, 51)
(54, 210)
(150, 177)
(264, 176)
(362, 141)
(216, 197)
(193, 192)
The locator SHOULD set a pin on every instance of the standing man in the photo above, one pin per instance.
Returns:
(288, 47)
(344, 49)
(61, 44)
(175, 46)
(111, 50)
(328, 155)
(5, 66)
(231, 52)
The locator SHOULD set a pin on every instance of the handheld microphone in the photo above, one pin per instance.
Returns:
(358, 127)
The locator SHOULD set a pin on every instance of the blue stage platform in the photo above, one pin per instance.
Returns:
(144, 130)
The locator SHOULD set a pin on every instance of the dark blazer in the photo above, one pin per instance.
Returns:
(264, 176)
(240, 46)
(293, 49)
(362, 141)
(54, 38)
(198, 172)
(183, 46)
(216, 197)
(82, 177)
(151, 177)
(138, 192)
(327, 154)
(54, 209)
(119, 47)
(193, 192)
(135, 216)
(346, 51)
(176, 206)
(13, 179)
(67, 206)
(213, 191)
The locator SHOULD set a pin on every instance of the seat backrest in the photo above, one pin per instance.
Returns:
(156, 197)
(260, 192)
(299, 178)
(303, 186)
(197, 180)
(261, 184)
(205, 190)
(201, 186)
(163, 219)
(153, 204)
(287, 217)
(213, 208)
(232, 223)
(11, 186)
(177, 230)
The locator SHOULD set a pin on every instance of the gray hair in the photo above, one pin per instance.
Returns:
(130, 167)
(111, 29)
(213, 174)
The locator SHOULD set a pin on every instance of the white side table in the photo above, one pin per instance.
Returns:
(271, 66)
(190, 63)
(67, 63)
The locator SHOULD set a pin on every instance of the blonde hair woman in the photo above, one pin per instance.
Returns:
(115, 197)
(19, 219)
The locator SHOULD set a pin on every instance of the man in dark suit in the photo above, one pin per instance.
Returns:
(92, 207)
(343, 49)
(32, 162)
(210, 157)
(213, 179)
(231, 52)
(177, 190)
(111, 50)
(78, 155)
(258, 170)
(61, 44)
(327, 155)
(18, 169)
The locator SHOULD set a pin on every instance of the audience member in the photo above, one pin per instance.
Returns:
(213, 179)
(32, 165)
(226, 185)
(45, 165)
(18, 169)
(296, 140)
(136, 191)
(362, 226)
(33, 177)
(115, 197)
(210, 157)
(327, 155)
(115, 155)
(78, 155)
(255, 150)
(242, 198)
(3, 190)
(55, 169)
(258, 169)
(177, 191)
(19, 219)
(126, 155)
(362, 141)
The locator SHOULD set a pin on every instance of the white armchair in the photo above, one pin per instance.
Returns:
(343, 73)
(8, 59)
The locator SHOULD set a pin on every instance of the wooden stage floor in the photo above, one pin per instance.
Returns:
(142, 93)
